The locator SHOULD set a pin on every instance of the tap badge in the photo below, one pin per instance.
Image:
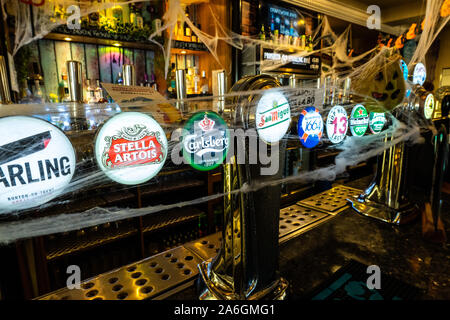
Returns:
(205, 140)
(359, 120)
(377, 120)
(419, 74)
(310, 127)
(131, 148)
(428, 108)
(273, 116)
(337, 124)
(37, 162)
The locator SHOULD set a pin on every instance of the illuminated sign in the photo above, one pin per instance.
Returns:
(273, 116)
(37, 162)
(131, 148)
(337, 124)
(377, 120)
(205, 140)
(310, 127)
(428, 108)
(359, 120)
(419, 74)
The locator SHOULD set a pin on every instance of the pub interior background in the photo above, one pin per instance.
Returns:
(106, 107)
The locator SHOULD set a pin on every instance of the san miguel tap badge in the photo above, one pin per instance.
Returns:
(131, 148)
(205, 141)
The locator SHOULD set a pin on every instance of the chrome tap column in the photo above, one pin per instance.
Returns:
(246, 267)
(390, 196)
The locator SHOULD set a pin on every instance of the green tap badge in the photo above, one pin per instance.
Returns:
(359, 120)
(205, 140)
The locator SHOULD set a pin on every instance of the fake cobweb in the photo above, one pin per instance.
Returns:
(361, 69)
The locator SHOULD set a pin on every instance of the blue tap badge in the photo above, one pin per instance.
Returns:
(310, 127)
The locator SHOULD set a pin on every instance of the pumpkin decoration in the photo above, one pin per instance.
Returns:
(381, 85)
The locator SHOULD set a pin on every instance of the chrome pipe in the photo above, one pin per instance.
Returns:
(5, 95)
(129, 75)
(180, 78)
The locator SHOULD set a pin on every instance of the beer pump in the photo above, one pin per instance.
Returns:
(246, 267)
(400, 177)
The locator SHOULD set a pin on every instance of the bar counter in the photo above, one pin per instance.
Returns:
(400, 251)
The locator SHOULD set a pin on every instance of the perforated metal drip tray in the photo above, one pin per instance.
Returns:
(152, 278)
(169, 272)
(331, 201)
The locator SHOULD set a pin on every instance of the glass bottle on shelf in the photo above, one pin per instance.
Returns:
(119, 78)
(139, 19)
(187, 28)
(91, 96)
(194, 36)
(146, 82)
(37, 92)
(63, 89)
(262, 34)
(153, 83)
(204, 83)
(133, 14)
(99, 93)
(189, 81)
(196, 81)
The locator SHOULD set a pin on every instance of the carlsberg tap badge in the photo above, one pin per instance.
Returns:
(205, 140)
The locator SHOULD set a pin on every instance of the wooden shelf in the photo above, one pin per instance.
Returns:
(101, 41)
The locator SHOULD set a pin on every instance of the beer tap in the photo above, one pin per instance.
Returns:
(246, 267)
(394, 192)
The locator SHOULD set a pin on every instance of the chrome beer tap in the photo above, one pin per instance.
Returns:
(246, 267)
(390, 195)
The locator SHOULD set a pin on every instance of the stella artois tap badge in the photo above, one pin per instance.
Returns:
(310, 127)
(131, 148)
(37, 162)
(205, 140)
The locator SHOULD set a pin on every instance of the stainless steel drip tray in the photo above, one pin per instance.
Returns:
(296, 219)
(162, 275)
(153, 278)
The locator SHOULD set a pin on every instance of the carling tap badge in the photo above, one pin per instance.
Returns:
(131, 148)
(205, 140)
(37, 162)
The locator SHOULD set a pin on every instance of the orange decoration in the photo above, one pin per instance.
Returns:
(445, 9)
(399, 42)
(411, 33)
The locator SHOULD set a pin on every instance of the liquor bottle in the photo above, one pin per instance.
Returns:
(99, 93)
(37, 92)
(153, 83)
(194, 36)
(310, 43)
(303, 42)
(139, 19)
(117, 15)
(172, 83)
(180, 29)
(204, 83)
(189, 81)
(119, 79)
(196, 81)
(148, 14)
(146, 82)
(63, 89)
(262, 34)
(282, 27)
(187, 29)
(91, 96)
(133, 14)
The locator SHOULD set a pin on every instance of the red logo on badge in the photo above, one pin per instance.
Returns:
(132, 147)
